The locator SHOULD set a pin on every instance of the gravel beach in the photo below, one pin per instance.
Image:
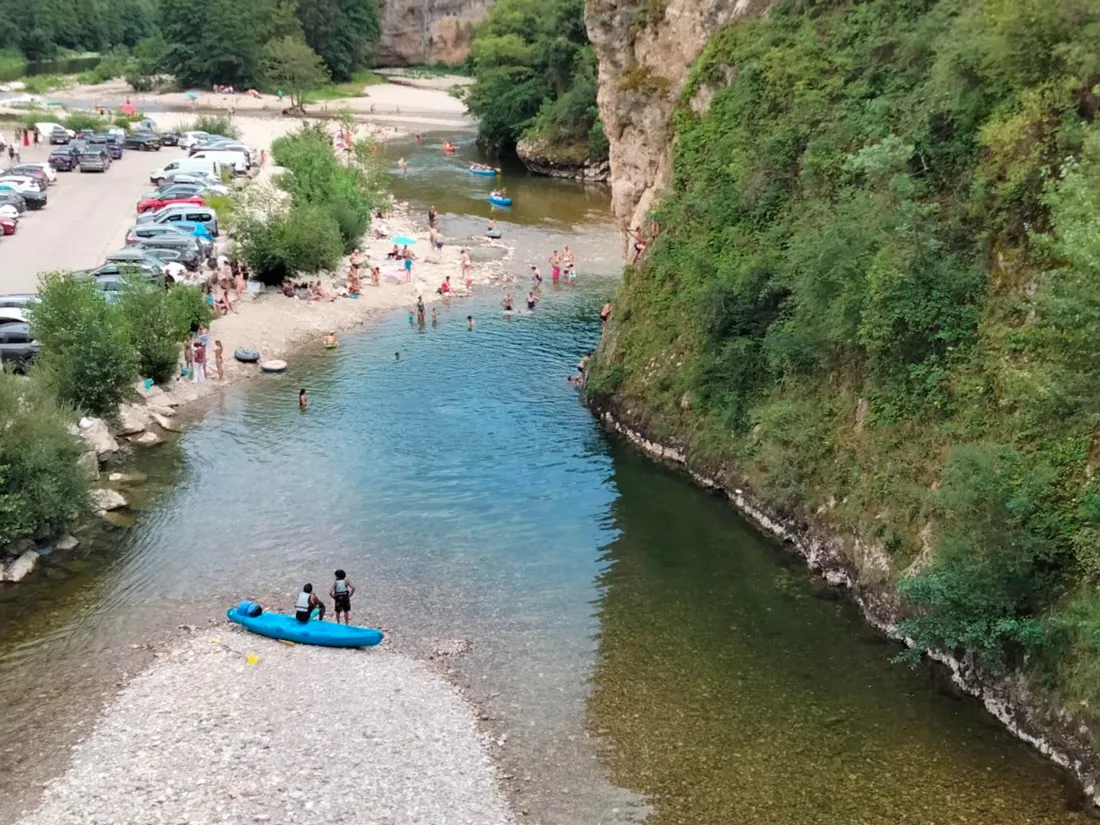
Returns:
(234, 728)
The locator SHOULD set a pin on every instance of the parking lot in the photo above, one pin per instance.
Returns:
(86, 218)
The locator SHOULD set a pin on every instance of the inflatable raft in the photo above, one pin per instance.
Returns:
(289, 629)
(500, 200)
(486, 172)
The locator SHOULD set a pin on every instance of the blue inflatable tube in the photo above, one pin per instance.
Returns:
(487, 172)
(497, 200)
(287, 628)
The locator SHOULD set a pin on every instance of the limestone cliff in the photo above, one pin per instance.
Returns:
(645, 51)
(428, 31)
(571, 161)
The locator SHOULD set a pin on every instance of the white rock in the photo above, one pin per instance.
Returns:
(67, 542)
(164, 423)
(162, 404)
(132, 420)
(21, 567)
(146, 439)
(104, 500)
(96, 435)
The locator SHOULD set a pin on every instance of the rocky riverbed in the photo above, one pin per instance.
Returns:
(232, 728)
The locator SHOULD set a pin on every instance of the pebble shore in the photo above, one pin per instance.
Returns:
(234, 728)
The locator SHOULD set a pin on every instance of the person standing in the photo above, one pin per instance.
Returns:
(341, 592)
(218, 360)
(555, 267)
(198, 374)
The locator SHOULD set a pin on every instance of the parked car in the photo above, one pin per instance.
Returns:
(148, 268)
(59, 136)
(14, 200)
(62, 160)
(152, 204)
(28, 171)
(196, 179)
(8, 211)
(32, 197)
(111, 144)
(170, 139)
(134, 255)
(36, 169)
(24, 183)
(48, 128)
(179, 234)
(175, 213)
(17, 300)
(175, 190)
(189, 139)
(17, 348)
(142, 141)
(94, 161)
(185, 250)
(8, 224)
(188, 165)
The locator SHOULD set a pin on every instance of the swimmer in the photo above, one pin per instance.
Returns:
(536, 276)
(412, 317)
(531, 301)
(397, 356)
(330, 339)
(303, 402)
(435, 317)
(567, 256)
(506, 302)
(470, 323)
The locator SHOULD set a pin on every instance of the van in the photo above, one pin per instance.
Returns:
(210, 167)
(233, 159)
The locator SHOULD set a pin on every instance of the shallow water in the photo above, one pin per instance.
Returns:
(629, 630)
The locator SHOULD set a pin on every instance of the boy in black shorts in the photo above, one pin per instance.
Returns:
(341, 592)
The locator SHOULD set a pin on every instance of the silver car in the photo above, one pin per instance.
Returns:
(176, 212)
(17, 348)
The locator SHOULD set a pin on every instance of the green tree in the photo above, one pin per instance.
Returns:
(43, 487)
(158, 322)
(87, 355)
(344, 32)
(292, 65)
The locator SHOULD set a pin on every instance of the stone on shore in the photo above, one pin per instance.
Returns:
(21, 567)
(146, 439)
(96, 435)
(128, 478)
(162, 404)
(164, 423)
(132, 420)
(67, 542)
(105, 500)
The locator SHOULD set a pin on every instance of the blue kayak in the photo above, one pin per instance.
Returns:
(287, 628)
(500, 201)
(486, 172)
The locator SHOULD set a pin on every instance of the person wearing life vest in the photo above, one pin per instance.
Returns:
(341, 592)
(306, 603)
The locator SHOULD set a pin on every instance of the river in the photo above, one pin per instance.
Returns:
(636, 645)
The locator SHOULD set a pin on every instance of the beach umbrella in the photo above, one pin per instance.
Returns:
(403, 240)
(192, 95)
(128, 109)
(54, 103)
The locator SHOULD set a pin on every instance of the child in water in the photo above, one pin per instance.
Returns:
(303, 402)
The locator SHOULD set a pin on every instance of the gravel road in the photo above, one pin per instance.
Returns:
(303, 735)
(86, 218)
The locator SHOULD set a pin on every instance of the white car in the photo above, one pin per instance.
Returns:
(45, 128)
(51, 173)
(189, 139)
(9, 211)
(22, 184)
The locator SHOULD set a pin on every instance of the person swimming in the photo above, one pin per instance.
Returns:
(536, 276)
(303, 402)
(470, 323)
(531, 301)
(330, 340)
(506, 302)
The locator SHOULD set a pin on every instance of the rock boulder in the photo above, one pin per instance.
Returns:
(21, 567)
(146, 439)
(105, 500)
(98, 438)
(132, 420)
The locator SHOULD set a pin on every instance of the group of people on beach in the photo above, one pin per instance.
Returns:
(195, 350)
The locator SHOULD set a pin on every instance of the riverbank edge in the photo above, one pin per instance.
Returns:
(1026, 710)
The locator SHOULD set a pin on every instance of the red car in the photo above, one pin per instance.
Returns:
(9, 225)
(151, 204)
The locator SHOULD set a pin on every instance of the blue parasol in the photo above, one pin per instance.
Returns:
(403, 240)
(192, 95)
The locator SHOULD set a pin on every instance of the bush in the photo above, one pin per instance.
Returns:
(87, 356)
(158, 323)
(999, 556)
(43, 487)
(303, 239)
(214, 125)
(189, 308)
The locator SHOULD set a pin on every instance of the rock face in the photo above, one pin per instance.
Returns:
(428, 31)
(544, 158)
(105, 500)
(643, 65)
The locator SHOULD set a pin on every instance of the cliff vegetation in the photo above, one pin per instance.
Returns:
(535, 78)
(871, 288)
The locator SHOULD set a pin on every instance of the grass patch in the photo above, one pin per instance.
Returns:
(352, 88)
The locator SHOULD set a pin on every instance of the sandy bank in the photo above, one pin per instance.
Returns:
(303, 735)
